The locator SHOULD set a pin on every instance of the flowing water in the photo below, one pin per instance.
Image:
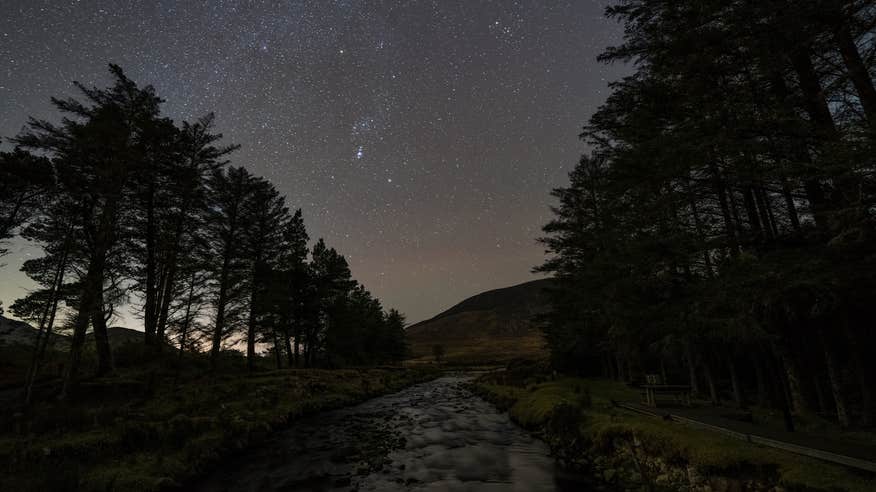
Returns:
(432, 436)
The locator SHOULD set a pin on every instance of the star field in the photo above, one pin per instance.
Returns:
(420, 138)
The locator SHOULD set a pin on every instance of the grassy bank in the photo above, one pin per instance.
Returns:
(147, 429)
(576, 417)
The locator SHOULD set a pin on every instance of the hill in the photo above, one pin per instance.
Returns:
(14, 332)
(119, 335)
(492, 327)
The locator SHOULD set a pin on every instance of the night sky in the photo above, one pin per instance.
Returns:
(420, 138)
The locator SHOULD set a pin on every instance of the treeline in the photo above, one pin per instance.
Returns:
(721, 230)
(129, 207)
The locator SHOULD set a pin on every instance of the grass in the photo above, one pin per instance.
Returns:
(602, 426)
(476, 338)
(142, 430)
(478, 350)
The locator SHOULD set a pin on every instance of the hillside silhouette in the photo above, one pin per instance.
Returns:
(491, 327)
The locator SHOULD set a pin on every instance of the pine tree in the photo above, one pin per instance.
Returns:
(225, 233)
(266, 217)
(96, 152)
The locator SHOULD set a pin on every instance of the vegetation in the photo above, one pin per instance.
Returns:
(438, 351)
(163, 421)
(130, 207)
(721, 231)
(489, 329)
(577, 418)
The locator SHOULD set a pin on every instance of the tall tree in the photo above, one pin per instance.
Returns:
(293, 286)
(332, 281)
(198, 156)
(96, 150)
(728, 194)
(267, 220)
(225, 231)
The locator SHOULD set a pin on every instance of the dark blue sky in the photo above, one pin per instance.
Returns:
(421, 138)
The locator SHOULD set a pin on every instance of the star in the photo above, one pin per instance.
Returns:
(453, 101)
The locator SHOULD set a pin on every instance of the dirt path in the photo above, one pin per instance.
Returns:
(862, 455)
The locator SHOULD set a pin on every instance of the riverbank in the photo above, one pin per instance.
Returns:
(430, 436)
(585, 430)
(148, 431)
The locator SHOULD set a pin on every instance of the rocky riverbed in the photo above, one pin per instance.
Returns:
(431, 436)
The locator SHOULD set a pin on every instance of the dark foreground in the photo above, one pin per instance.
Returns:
(432, 436)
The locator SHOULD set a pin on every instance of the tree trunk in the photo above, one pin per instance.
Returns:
(620, 366)
(166, 287)
(87, 299)
(219, 326)
(163, 298)
(297, 347)
(277, 349)
(820, 398)
(101, 337)
(811, 185)
(857, 69)
(713, 389)
(251, 333)
(149, 319)
(692, 370)
(307, 354)
(751, 211)
(763, 202)
(187, 318)
(734, 212)
(287, 342)
(864, 374)
(48, 319)
(698, 224)
(833, 376)
(721, 191)
(790, 205)
(171, 267)
(815, 102)
(760, 379)
(184, 331)
(794, 386)
(781, 391)
(734, 383)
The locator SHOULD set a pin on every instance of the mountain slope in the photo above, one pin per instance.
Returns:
(14, 332)
(491, 327)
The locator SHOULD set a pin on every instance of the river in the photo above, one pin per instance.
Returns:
(433, 436)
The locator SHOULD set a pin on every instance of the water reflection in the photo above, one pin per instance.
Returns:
(434, 436)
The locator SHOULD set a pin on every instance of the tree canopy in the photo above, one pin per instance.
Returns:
(130, 207)
(722, 225)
